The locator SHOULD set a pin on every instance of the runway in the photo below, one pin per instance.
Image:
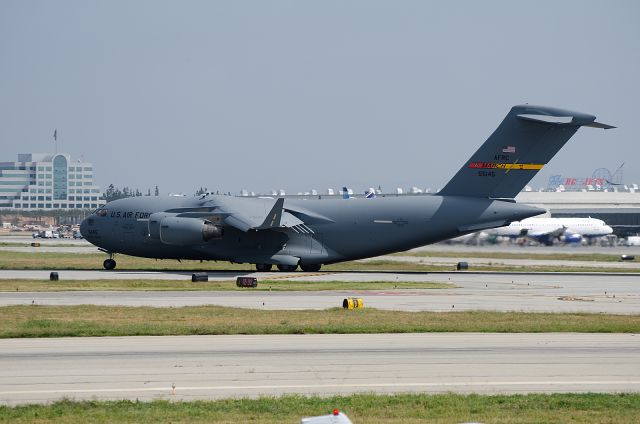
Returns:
(203, 367)
(479, 263)
(594, 293)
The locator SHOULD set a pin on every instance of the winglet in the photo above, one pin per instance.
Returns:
(274, 216)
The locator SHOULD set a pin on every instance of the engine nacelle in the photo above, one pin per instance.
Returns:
(154, 223)
(187, 231)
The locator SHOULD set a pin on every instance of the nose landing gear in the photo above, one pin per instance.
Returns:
(110, 263)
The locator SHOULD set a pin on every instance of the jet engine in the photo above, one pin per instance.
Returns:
(573, 238)
(154, 223)
(187, 231)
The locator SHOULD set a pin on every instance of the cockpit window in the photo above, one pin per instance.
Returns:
(101, 212)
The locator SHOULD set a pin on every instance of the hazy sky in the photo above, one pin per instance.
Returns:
(300, 94)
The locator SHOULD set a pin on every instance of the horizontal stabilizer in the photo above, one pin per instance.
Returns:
(561, 120)
(547, 119)
(600, 125)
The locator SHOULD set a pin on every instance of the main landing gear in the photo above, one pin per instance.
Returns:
(287, 268)
(311, 267)
(263, 267)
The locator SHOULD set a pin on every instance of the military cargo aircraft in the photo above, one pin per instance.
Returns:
(292, 233)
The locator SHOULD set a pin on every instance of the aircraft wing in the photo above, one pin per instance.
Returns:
(252, 216)
(276, 218)
(546, 236)
(557, 232)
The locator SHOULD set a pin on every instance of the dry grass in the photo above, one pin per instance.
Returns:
(11, 285)
(60, 261)
(89, 320)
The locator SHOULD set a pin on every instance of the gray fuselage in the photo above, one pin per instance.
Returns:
(349, 229)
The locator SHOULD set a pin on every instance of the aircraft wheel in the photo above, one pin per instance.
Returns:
(263, 267)
(287, 268)
(311, 268)
(109, 264)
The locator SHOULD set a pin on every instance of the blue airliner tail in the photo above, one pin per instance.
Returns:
(345, 193)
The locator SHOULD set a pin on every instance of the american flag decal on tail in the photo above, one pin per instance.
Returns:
(509, 149)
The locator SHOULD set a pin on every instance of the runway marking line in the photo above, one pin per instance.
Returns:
(327, 386)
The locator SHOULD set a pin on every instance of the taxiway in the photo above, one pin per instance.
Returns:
(552, 292)
(198, 367)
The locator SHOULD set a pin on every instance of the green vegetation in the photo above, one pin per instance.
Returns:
(53, 261)
(60, 261)
(361, 409)
(13, 244)
(89, 320)
(187, 285)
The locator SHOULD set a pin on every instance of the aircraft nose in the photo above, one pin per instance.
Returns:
(608, 229)
(83, 228)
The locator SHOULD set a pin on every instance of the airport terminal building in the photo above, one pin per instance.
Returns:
(48, 181)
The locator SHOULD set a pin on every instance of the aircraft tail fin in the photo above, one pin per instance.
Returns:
(526, 140)
(370, 193)
(345, 193)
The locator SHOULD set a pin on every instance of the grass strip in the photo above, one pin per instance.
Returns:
(361, 409)
(73, 261)
(43, 244)
(15, 285)
(94, 321)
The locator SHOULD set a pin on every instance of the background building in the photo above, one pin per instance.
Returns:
(48, 181)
